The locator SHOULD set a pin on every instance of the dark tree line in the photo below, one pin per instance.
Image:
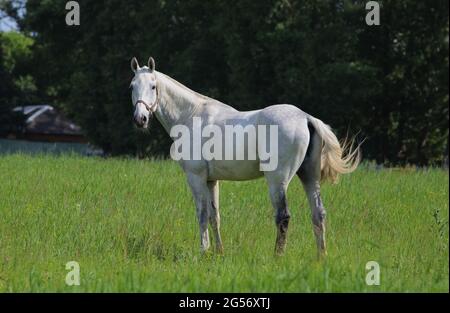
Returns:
(387, 82)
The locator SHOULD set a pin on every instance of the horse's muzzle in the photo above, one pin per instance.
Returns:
(141, 120)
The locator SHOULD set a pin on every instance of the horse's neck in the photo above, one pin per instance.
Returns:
(177, 103)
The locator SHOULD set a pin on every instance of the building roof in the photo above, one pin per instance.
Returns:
(45, 119)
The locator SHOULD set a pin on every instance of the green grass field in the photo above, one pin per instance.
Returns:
(131, 226)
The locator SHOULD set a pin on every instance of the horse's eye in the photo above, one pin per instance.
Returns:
(153, 88)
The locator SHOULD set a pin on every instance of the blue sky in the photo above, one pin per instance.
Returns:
(7, 24)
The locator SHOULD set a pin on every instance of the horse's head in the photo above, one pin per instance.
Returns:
(144, 92)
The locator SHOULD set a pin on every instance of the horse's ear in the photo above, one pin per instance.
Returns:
(151, 64)
(134, 65)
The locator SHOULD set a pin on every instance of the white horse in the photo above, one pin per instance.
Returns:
(307, 147)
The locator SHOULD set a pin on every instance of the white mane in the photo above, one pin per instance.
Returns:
(179, 101)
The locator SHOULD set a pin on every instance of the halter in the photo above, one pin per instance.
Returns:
(150, 108)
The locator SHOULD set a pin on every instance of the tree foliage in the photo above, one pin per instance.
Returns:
(17, 85)
(387, 82)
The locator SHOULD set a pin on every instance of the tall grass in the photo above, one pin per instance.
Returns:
(131, 226)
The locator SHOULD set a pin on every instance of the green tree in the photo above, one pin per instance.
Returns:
(389, 82)
(17, 86)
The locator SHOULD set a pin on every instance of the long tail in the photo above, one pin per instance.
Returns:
(336, 158)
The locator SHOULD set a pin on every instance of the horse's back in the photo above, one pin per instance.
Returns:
(281, 114)
(292, 122)
(293, 136)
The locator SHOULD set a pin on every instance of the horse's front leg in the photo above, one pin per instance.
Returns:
(214, 214)
(199, 188)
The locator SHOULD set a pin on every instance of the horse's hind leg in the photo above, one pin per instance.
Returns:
(214, 214)
(279, 179)
(282, 215)
(309, 174)
(318, 214)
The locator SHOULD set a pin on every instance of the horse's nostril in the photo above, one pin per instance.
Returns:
(144, 118)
